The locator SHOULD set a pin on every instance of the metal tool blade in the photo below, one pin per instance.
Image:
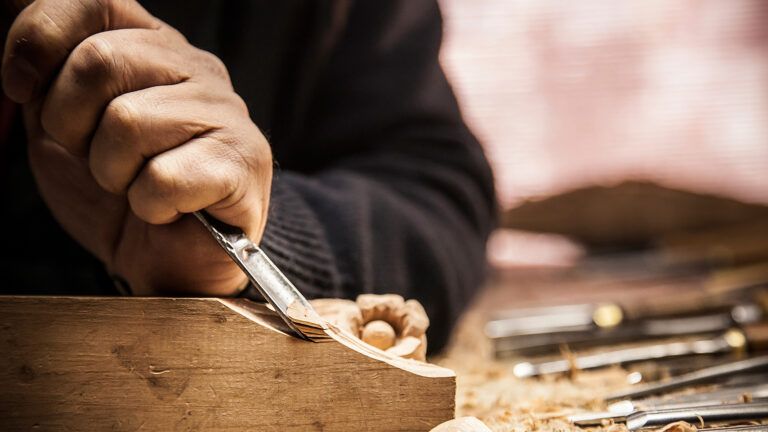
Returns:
(697, 377)
(518, 322)
(530, 334)
(697, 415)
(718, 396)
(288, 302)
(618, 412)
(720, 344)
(743, 428)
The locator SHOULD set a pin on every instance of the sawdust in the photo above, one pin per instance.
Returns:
(487, 388)
(680, 426)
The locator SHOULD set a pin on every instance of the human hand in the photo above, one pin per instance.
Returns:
(131, 128)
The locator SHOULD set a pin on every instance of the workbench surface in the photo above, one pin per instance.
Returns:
(487, 389)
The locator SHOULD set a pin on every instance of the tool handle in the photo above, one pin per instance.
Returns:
(757, 335)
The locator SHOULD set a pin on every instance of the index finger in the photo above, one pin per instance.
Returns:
(45, 32)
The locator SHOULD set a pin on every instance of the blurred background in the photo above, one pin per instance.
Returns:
(629, 140)
(614, 124)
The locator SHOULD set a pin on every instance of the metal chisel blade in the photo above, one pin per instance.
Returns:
(285, 298)
(697, 377)
(706, 414)
(619, 411)
(709, 345)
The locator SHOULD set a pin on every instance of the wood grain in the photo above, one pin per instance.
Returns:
(126, 364)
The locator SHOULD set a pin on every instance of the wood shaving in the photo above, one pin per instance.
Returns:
(680, 426)
(407, 319)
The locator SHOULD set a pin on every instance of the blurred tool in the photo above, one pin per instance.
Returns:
(554, 318)
(701, 376)
(754, 336)
(746, 379)
(744, 428)
(661, 369)
(698, 415)
(719, 396)
(619, 411)
(545, 330)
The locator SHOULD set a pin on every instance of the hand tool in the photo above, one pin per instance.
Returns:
(700, 376)
(698, 415)
(660, 369)
(752, 337)
(743, 428)
(719, 396)
(730, 341)
(550, 319)
(545, 330)
(286, 300)
(742, 380)
(619, 411)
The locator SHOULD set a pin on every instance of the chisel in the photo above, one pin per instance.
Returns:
(698, 415)
(288, 302)
(619, 411)
(753, 337)
(728, 342)
(545, 330)
(700, 376)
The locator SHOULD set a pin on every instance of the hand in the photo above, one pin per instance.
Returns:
(131, 128)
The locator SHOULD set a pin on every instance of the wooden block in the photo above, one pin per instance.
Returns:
(165, 364)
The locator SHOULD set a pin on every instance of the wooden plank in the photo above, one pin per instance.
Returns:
(126, 364)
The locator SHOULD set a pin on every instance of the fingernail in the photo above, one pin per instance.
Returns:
(20, 80)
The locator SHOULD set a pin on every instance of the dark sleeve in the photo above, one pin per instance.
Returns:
(401, 199)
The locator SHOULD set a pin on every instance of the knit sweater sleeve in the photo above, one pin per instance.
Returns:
(394, 194)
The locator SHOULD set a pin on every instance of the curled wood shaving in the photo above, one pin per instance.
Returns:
(343, 314)
(379, 334)
(680, 426)
(408, 319)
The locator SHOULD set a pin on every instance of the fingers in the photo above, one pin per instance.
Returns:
(209, 172)
(45, 32)
(174, 259)
(139, 125)
(102, 67)
(177, 182)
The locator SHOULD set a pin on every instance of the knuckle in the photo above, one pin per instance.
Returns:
(160, 180)
(239, 103)
(118, 136)
(152, 195)
(123, 117)
(104, 176)
(161, 183)
(31, 29)
(174, 34)
(251, 164)
(214, 65)
(230, 181)
(93, 60)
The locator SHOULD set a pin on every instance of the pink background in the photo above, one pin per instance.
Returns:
(569, 93)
